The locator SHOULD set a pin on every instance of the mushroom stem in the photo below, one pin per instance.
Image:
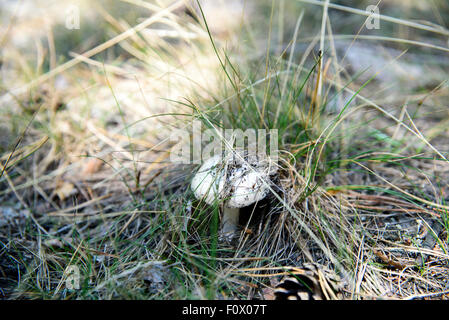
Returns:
(230, 219)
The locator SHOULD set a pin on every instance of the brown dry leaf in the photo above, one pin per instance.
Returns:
(92, 166)
(64, 190)
(268, 292)
(333, 192)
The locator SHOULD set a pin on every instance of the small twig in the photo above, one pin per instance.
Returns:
(387, 260)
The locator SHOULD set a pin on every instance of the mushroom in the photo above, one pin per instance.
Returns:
(237, 180)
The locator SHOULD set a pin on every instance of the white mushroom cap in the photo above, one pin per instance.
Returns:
(247, 187)
(208, 182)
(236, 179)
